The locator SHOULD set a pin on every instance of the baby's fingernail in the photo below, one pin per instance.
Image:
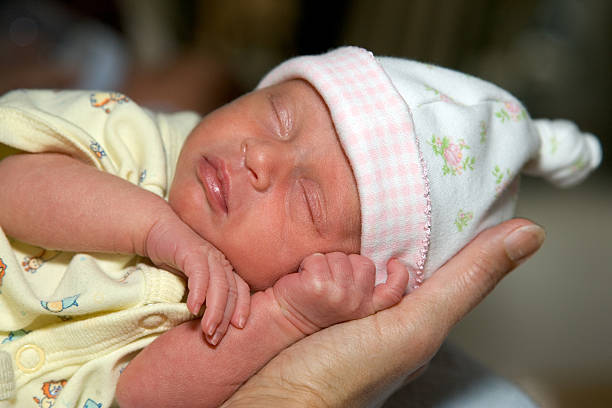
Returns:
(241, 322)
(215, 340)
(523, 242)
(192, 309)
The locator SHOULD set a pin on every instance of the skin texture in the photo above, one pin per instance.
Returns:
(358, 363)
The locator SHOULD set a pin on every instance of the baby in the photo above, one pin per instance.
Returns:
(251, 177)
(337, 154)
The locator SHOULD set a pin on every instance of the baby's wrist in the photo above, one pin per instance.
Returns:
(280, 316)
(154, 239)
(291, 316)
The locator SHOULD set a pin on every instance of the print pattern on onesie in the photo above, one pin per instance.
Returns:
(14, 335)
(97, 149)
(33, 263)
(50, 390)
(2, 272)
(142, 176)
(107, 101)
(58, 306)
(92, 404)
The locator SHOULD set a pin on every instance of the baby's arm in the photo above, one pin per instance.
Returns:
(180, 370)
(57, 202)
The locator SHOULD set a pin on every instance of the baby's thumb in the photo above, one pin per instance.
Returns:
(391, 292)
(566, 154)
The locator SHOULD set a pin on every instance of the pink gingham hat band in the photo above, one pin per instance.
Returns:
(376, 130)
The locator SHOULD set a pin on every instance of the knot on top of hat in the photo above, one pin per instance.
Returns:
(566, 154)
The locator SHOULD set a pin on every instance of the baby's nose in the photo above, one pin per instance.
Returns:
(266, 160)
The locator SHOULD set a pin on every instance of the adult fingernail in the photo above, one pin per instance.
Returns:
(523, 242)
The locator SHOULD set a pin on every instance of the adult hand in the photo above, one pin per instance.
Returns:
(359, 363)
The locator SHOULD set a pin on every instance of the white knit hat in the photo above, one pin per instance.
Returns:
(435, 153)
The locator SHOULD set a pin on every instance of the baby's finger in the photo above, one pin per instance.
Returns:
(314, 270)
(243, 303)
(391, 292)
(340, 268)
(230, 306)
(217, 295)
(197, 285)
(364, 272)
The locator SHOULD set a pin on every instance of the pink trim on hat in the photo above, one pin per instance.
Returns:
(375, 127)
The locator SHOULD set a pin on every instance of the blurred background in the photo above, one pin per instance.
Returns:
(548, 327)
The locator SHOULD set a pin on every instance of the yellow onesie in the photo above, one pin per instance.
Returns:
(69, 323)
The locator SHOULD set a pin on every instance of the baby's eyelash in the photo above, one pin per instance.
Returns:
(305, 193)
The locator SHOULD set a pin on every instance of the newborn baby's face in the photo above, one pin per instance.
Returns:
(266, 181)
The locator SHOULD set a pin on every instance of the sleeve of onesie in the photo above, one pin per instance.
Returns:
(67, 320)
(105, 129)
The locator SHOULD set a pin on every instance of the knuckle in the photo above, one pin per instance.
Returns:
(336, 300)
(336, 257)
(232, 292)
(220, 283)
(336, 262)
(214, 256)
(353, 306)
(362, 264)
(314, 262)
(316, 285)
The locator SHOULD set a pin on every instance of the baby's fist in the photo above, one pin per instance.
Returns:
(336, 287)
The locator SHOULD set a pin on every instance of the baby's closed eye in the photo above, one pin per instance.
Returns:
(315, 202)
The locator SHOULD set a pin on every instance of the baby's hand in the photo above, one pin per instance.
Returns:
(172, 245)
(336, 287)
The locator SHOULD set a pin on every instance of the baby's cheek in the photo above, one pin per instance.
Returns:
(261, 269)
